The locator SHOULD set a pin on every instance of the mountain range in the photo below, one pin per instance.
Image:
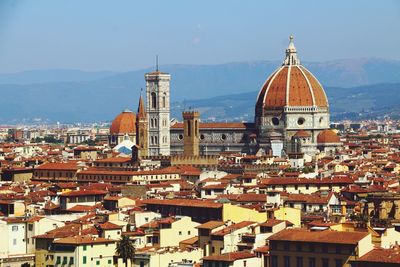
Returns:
(356, 88)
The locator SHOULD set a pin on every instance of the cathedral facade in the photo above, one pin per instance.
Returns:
(291, 116)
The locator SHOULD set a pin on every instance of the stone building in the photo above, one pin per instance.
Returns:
(158, 111)
(291, 116)
(291, 103)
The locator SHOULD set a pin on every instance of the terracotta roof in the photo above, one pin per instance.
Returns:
(83, 193)
(81, 240)
(114, 160)
(109, 226)
(294, 181)
(302, 133)
(233, 227)
(68, 166)
(230, 257)
(210, 225)
(271, 222)
(380, 255)
(190, 241)
(124, 123)
(327, 136)
(184, 203)
(304, 89)
(334, 237)
(84, 208)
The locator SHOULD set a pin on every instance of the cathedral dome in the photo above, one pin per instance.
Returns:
(124, 123)
(291, 85)
(327, 136)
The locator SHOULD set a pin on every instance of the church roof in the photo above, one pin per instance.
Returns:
(124, 123)
(291, 85)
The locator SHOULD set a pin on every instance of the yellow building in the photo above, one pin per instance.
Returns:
(300, 247)
(84, 251)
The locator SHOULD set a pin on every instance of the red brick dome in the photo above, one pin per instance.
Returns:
(124, 123)
(291, 85)
(327, 136)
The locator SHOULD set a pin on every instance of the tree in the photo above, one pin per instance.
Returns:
(125, 249)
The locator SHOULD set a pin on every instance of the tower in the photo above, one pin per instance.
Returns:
(191, 133)
(157, 93)
(142, 136)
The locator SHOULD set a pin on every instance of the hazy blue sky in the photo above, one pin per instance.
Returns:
(124, 35)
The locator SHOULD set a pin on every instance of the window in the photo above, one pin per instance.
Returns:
(14, 241)
(109, 262)
(275, 121)
(188, 232)
(338, 263)
(30, 227)
(153, 100)
(286, 246)
(325, 248)
(274, 261)
(84, 247)
(298, 246)
(65, 260)
(14, 228)
(325, 262)
(180, 233)
(163, 101)
(189, 128)
(311, 262)
(299, 261)
(71, 260)
(286, 261)
(84, 259)
(97, 262)
(300, 121)
(311, 248)
(58, 260)
(338, 250)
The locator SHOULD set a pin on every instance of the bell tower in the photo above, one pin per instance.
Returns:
(191, 133)
(142, 136)
(158, 110)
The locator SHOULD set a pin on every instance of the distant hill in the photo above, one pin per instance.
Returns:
(372, 101)
(225, 91)
(49, 76)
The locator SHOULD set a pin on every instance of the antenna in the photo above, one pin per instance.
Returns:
(156, 62)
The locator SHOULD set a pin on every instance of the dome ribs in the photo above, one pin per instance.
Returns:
(319, 94)
(299, 92)
(276, 94)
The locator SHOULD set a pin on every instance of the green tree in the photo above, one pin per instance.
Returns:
(125, 249)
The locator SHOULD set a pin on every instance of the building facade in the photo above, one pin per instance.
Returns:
(158, 111)
(291, 112)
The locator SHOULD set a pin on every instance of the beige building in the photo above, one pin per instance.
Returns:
(84, 251)
(300, 247)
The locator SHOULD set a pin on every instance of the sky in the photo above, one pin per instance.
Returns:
(123, 35)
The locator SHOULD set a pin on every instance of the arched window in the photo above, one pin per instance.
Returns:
(153, 100)
(196, 128)
(189, 128)
(163, 101)
(155, 140)
(151, 123)
(155, 122)
(152, 140)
